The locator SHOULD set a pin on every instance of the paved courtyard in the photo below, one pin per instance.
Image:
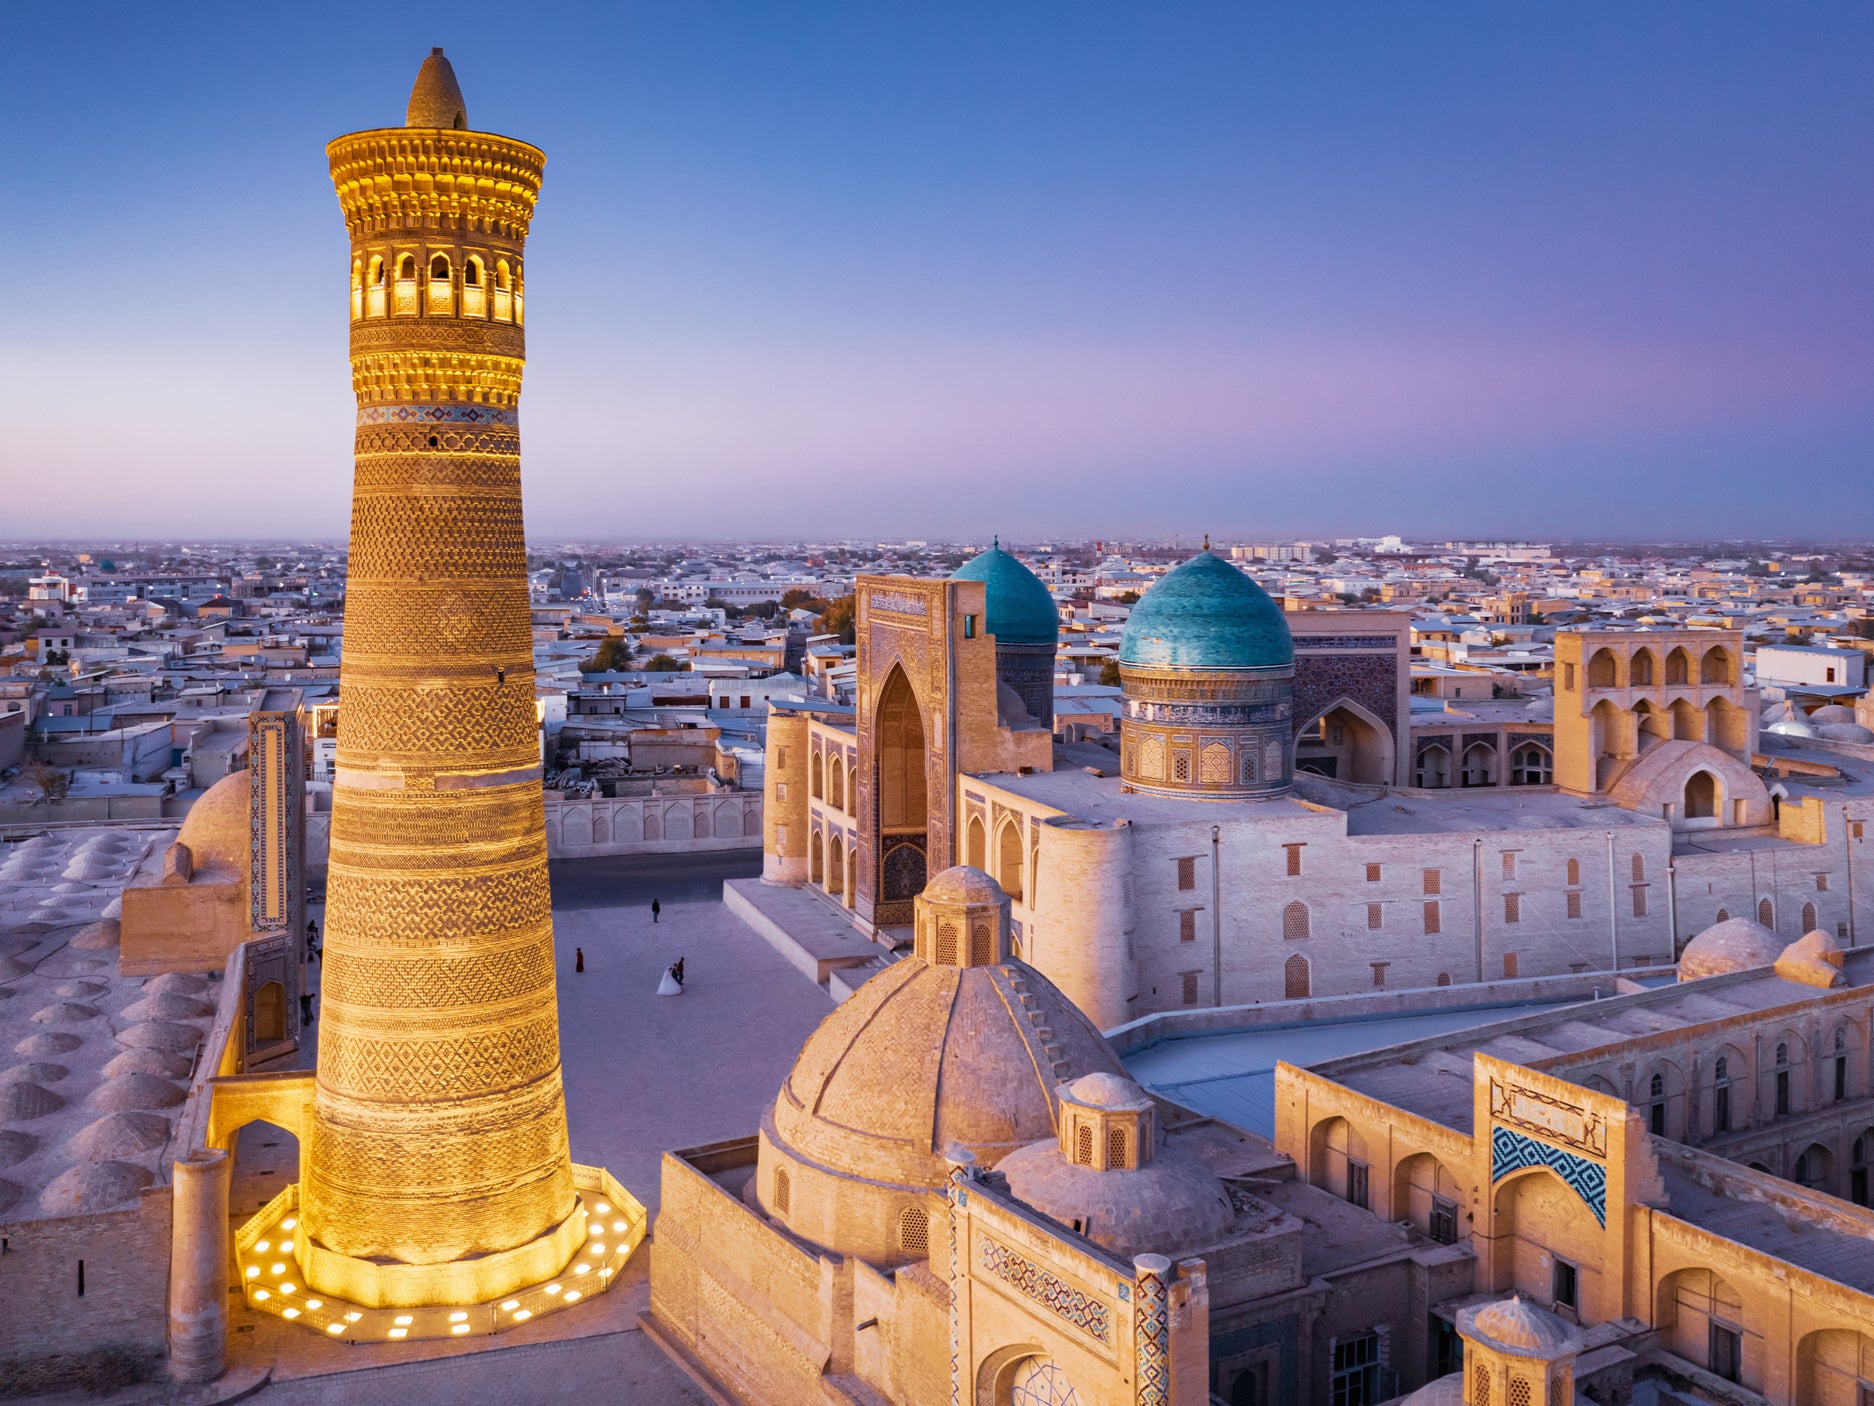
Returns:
(643, 1073)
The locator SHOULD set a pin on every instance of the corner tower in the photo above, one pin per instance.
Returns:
(435, 1162)
(1208, 671)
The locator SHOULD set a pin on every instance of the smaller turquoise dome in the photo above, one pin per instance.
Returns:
(1206, 615)
(1018, 606)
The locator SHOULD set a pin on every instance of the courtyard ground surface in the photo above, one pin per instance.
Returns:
(643, 1074)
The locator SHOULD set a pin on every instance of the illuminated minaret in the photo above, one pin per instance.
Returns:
(437, 1168)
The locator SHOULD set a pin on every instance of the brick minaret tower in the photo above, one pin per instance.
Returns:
(437, 1168)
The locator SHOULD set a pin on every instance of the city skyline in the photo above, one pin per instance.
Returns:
(948, 273)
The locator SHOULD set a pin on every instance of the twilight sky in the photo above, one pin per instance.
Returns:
(936, 270)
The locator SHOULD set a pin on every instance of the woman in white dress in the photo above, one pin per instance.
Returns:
(670, 986)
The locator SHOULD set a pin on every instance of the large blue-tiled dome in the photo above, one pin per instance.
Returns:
(1018, 606)
(1206, 614)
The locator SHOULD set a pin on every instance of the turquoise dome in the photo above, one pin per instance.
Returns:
(1018, 606)
(1206, 615)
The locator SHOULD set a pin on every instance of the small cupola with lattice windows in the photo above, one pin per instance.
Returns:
(1107, 1123)
(1517, 1354)
(961, 920)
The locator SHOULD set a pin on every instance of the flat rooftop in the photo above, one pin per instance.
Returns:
(1231, 1076)
(1433, 1079)
(1488, 809)
(1078, 792)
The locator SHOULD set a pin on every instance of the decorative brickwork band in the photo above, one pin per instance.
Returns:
(438, 1131)
(959, 1197)
(1513, 1152)
(437, 415)
(1152, 1329)
(1082, 1310)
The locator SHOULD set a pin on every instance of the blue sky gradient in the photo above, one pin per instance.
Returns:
(933, 270)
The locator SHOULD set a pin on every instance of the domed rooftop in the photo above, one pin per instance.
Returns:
(1206, 614)
(1789, 722)
(1018, 608)
(926, 1058)
(1107, 1091)
(1832, 713)
(1735, 945)
(1106, 1175)
(1170, 1206)
(963, 883)
(215, 829)
(1521, 1326)
(1814, 959)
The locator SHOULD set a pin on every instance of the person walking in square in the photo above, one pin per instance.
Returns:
(656, 908)
(579, 959)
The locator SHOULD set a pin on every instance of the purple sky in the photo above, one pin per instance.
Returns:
(1089, 268)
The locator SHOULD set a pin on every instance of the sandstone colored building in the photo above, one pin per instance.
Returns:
(1259, 836)
(956, 1196)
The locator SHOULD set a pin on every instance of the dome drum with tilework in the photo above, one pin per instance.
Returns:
(1208, 668)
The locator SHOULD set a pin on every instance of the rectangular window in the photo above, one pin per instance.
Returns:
(1187, 924)
(1574, 904)
(1444, 1225)
(1726, 1359)
(969, 627)
(1658, 1123)
(1509, 965)
(1566, 1282)
(1372, 873)
(1431, 918)
(1355, 1378)
(780, 790)
(1568, 677)
(1294, 860)
(1782, 1093)
(1190, 988)
(1509, 863)
(1434, 882)
(1857, 829)
(780, 838)
(1512, 908)
(1721, 1109)
(1374, 917)
(1841, 1077)
(1821, 883)
(780, 758)
(1187, 874)
(1357, 1179)
(1639, 900)
(1379, 975)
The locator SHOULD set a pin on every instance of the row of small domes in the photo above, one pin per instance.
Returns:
(1204, 614)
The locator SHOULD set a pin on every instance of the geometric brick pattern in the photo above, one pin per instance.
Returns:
(1513, 1152)
(1152, 1333)
(439, 1120)
(1082, 1310)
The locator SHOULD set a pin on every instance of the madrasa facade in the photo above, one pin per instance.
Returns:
(1273, 823)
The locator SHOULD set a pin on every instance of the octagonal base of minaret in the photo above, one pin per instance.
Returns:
(459, 1298)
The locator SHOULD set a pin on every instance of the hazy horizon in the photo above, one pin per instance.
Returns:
(936, 272)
